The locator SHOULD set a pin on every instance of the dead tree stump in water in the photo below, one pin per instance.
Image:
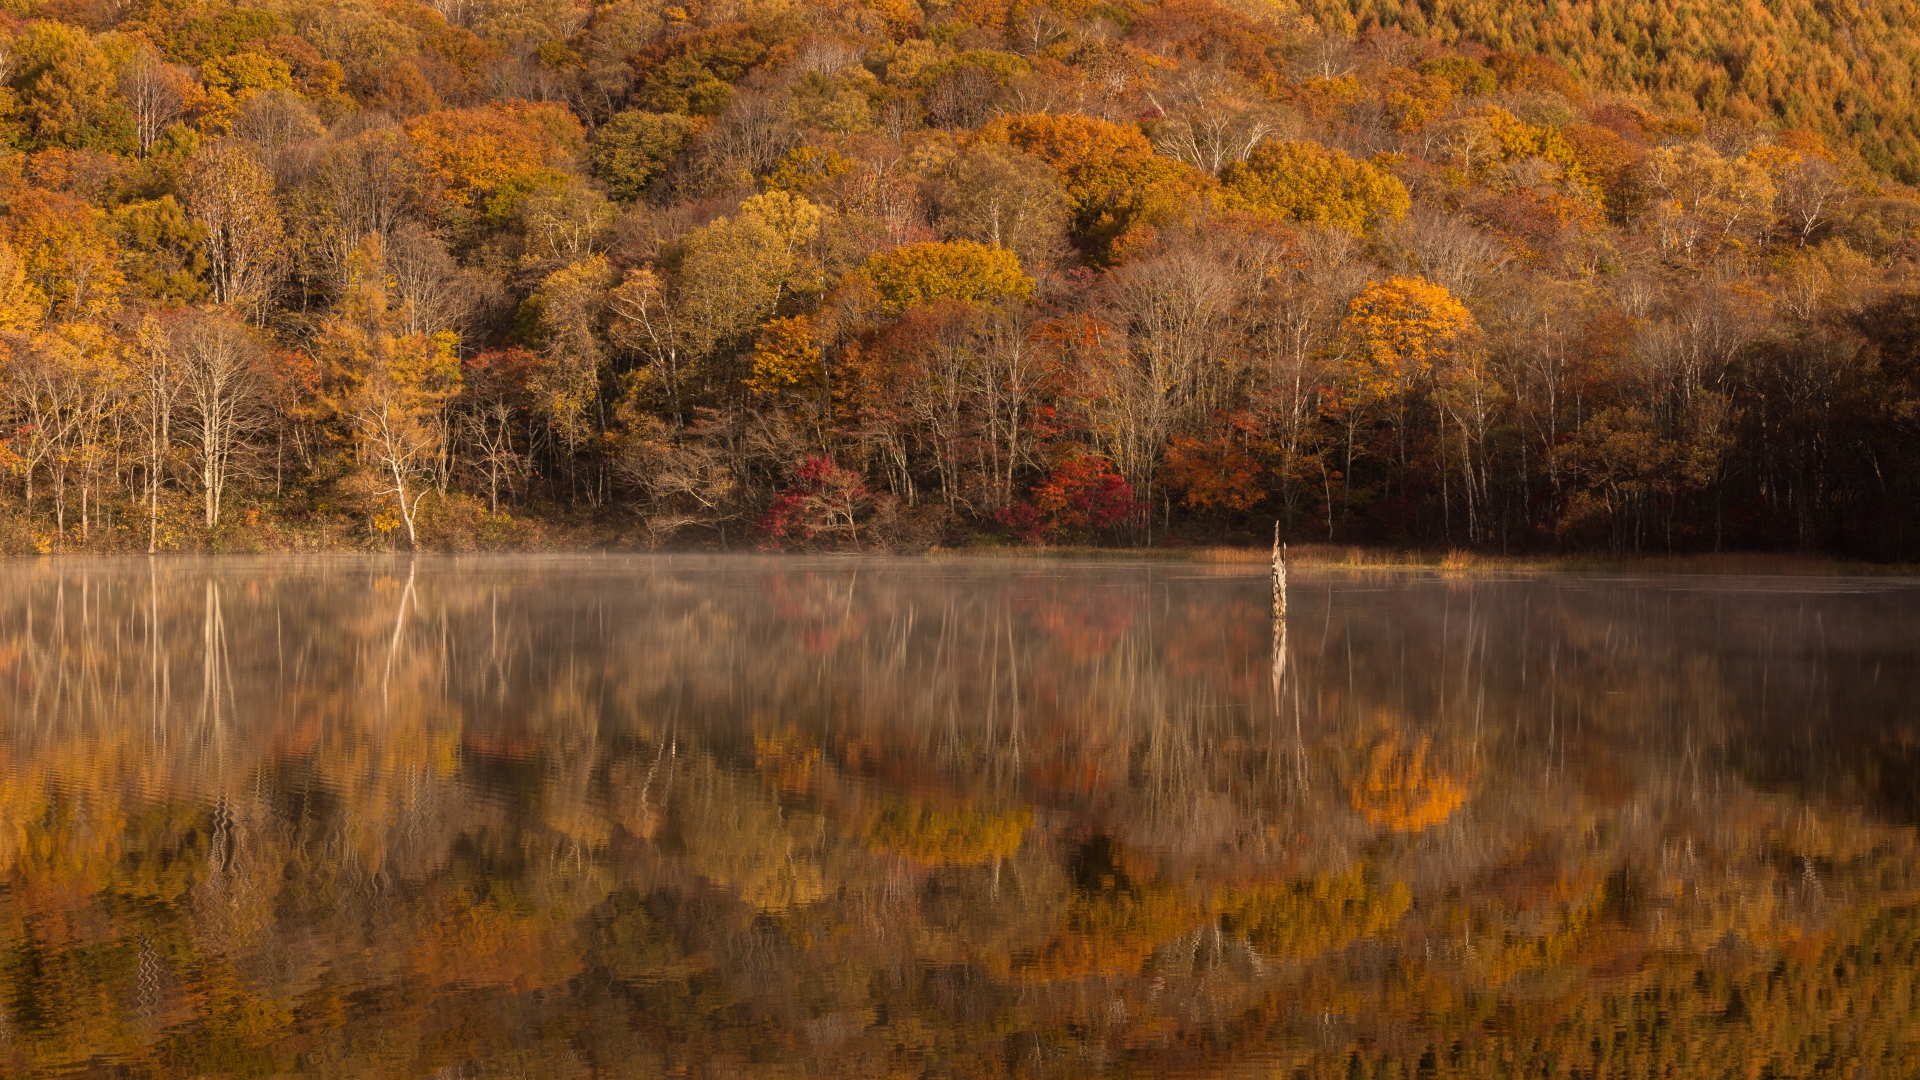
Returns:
(1279, 576)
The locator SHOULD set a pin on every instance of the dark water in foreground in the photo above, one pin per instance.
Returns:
(684, 817)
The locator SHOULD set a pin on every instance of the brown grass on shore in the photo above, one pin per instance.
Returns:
(1355, 557)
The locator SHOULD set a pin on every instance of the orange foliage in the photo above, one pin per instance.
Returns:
(473, 155)
(1214, 473)
(1401, 792)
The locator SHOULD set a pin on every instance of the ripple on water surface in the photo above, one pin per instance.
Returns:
(706, 816)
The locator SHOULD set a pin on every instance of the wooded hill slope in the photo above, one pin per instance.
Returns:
(852, 272)
(1848, 70)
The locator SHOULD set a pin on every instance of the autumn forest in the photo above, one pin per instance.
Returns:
(878, 274)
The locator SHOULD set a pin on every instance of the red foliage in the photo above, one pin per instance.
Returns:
(498, 374)
(1083, 495)
(826, 499)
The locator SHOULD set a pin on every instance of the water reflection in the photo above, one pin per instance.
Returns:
(636, 817)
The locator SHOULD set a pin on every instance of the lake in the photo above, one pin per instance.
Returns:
(727, 817)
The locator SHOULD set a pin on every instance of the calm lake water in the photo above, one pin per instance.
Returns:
(605, 816)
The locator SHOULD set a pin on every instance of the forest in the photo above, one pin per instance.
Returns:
(887, 275)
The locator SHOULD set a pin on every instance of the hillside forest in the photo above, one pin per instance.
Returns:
(882, 274)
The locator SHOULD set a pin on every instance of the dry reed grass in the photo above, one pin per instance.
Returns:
(1457, 561)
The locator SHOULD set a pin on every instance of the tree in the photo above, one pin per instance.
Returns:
(159, 386)
(564, 314)
(156, 94)
(1179, 312)
(951, 270)
(477, 162)
(633, 149)
(1315, 185)
(1807, 181)
(231, 195)
(930, 357)
(65, 255)
(1212, 120)
(390, 389)
(1114, 181)
(824, 499)
(1702, 201)
(162, 250)
(1397, 331)
(684, 473)
(493, 392)
(1213, 473)
(216, 361)
(67, 86)
(1082, 496)
(1013, 371)
(22, 303)
(564, 222)
(731, 277)
(431, 291)
(998, 196)
(69, 389)
(365, 187)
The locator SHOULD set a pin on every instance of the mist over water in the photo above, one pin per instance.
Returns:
(648, 816)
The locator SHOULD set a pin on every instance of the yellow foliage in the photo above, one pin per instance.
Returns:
(953, 270)
(1112, 177)
(1307, 918)
(965, 837)
(22, 304)
(793, 219)
(1318, 185)
(1520, 140)
(471, 155)
(65, 255)
(1398, 330)
(786, 356)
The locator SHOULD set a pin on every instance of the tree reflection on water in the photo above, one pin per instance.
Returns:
(632, 817)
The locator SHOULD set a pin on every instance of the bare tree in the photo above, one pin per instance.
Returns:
(160, 389)
(1442, 248)
(1808, 188)
(225, 399)
(1000, 196)
(963, 97)
(154, 92)
(283, 131)
(1181, 311)
(361, 187)
(1008, 374)
(1212, 119)
(432, 292)
(1325, 56)
(489, 431)
(231, 193)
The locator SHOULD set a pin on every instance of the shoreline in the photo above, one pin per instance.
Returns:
(1300, 556)
(1362, 557)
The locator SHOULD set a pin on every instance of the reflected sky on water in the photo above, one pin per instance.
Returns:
(691, 816)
